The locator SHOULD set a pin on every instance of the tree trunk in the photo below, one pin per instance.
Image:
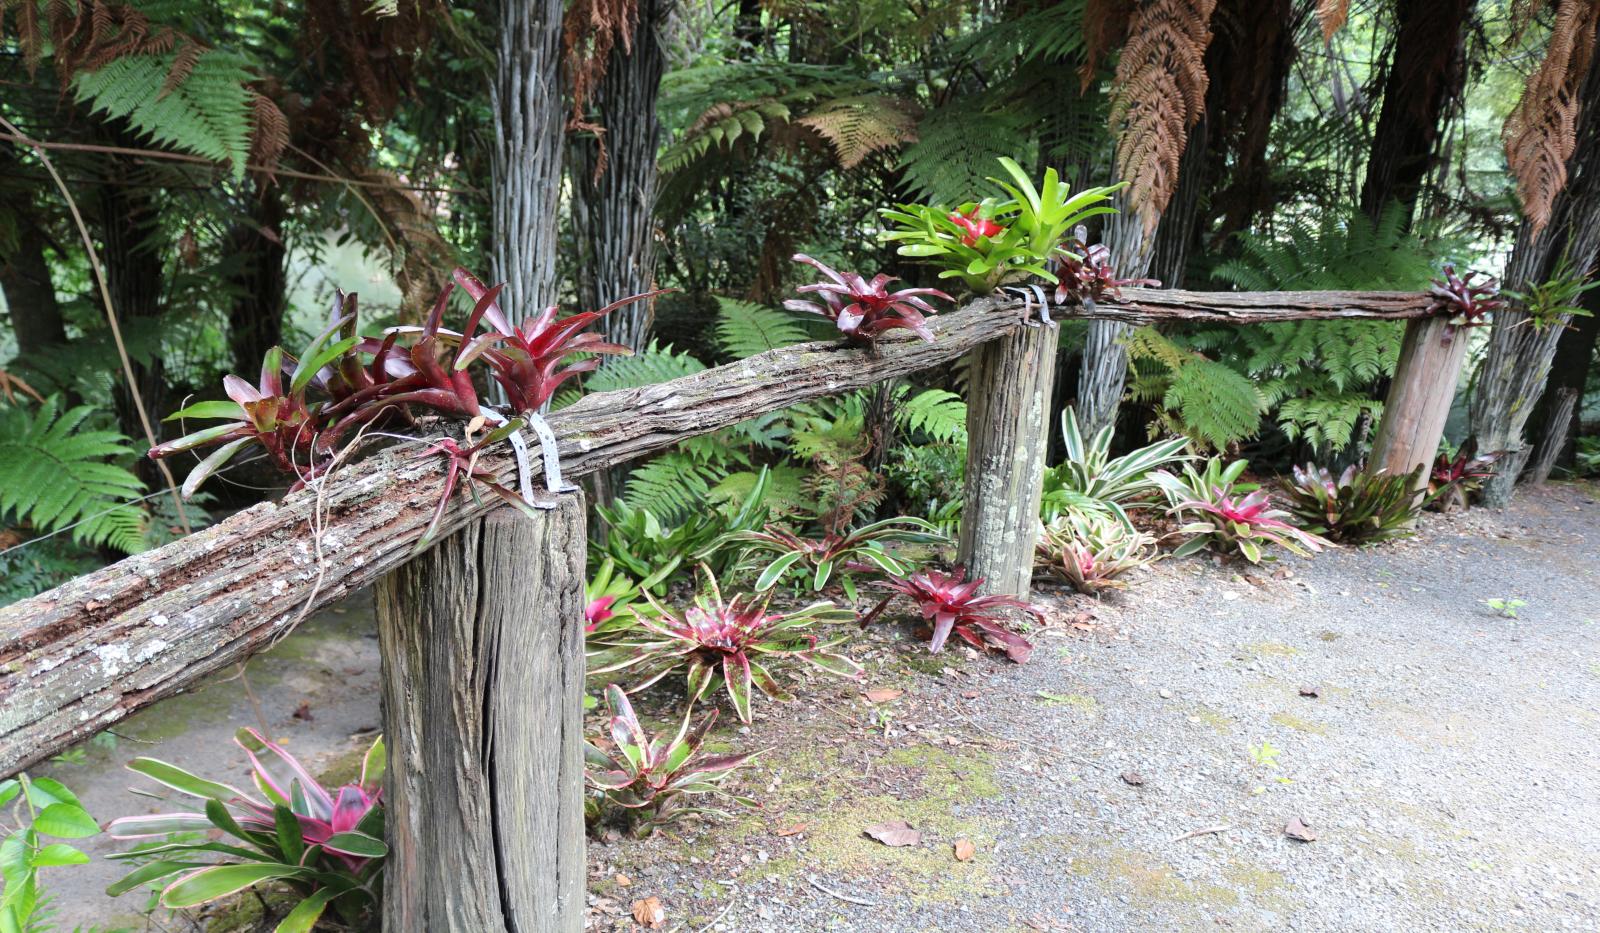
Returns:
(526, 162)
(1569, 373)
(30, 293)
(482, 647)
(256, 317)
(1418, 402)
(1008, 425)
(1424, 80)
(1519, 355)
(134, 262)
(613, 211)
(1563, 407)
(1105, 357)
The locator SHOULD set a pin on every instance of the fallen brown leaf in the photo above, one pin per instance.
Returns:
(303, 711)
(883, 694)
(1132, 778)
(894, 833)
(649, 912)
(1297, 830)
(970, 694)
(623, 880)
(1312, 692)
(794, 830)
(965, 850)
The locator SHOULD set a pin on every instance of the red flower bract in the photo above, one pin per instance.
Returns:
(863, 310)
(975, 226)
(952, 604)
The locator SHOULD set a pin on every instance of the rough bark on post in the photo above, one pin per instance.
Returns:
(1419, 398)
(1008, 408)
(482, 647)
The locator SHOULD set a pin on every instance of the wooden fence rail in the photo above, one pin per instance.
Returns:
(80, 657)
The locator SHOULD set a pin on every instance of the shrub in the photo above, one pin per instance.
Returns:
(1092, 553)
(1356, 506)
(650, 778)
(43, 808)
(648, 549)
(865, 310)
(1232, 516)
(952, 604)
(725, 643)
(326, 844)
(857, 551)
(1090, 479)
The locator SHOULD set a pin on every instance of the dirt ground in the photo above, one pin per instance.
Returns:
(1138, 773)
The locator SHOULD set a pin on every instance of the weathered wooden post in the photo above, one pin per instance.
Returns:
(1419, 397)
(1008, 406)
(482, 646)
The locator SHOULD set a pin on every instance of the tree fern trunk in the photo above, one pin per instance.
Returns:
(1424, 79)
(30, 294)
(134, 259)
(1569, 372)
(526, 162)
(1519, 355)
(255, 318)
(1105, 358)
(613, 212)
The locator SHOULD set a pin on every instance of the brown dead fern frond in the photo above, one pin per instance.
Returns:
(589, 31)
(1105, 24)
(856, 127)
(1331, 16)
(1542, 130)
(1159, 92)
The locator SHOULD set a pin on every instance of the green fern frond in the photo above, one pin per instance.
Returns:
(208, 113)
(1216, 405)
(939, 414)
(654, 364)
(672, 486)
(745, 329)
(786, 494)
(54, 474)
(956, 149)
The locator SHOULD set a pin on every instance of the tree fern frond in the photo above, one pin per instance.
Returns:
(672, 486)
(208, 113)
(856, 127)
(957, 146)
(745, 329)
(54, 474)
(939, 414)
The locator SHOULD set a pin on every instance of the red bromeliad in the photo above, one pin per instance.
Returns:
(1453, 480)
(1467, 302)
(975, 226)
(864, 310)
(526, 359)
(725, 642)
(1222, 511)
(1085, 274)
(952, 604)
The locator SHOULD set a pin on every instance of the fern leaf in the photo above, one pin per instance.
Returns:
(207, 113)
(745, 329)
(940, 414)
(54, 475)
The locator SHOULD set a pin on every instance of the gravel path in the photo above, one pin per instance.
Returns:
(1446, 765)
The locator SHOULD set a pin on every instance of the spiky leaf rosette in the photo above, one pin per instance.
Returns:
(650, 777)
(953, 605)
(731, 643)
(865, 310)
(1219, 510)
(1355, 506)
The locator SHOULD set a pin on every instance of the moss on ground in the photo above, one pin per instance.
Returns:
(929, 786)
